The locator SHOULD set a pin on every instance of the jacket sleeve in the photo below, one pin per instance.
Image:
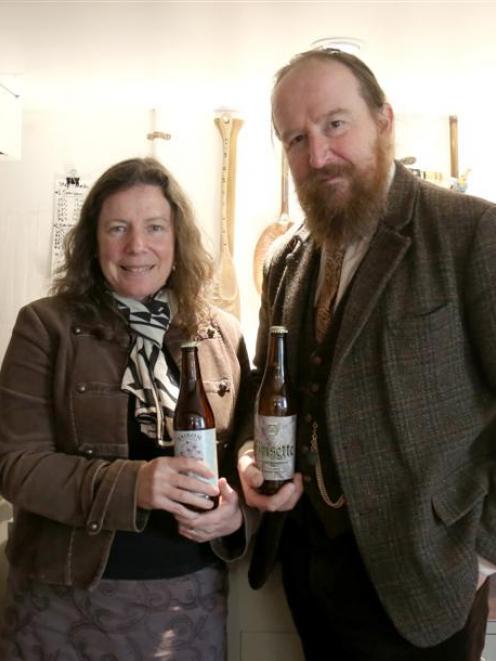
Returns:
(41, 470)
(235, 546)
(480, 294)
(480, 302)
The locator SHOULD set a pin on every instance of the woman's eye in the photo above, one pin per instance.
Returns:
(116, 229)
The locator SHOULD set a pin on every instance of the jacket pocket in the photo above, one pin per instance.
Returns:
(459, 494)
(424, 320)
(100, 419)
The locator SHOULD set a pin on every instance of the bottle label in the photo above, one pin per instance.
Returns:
(198, 444)
(275, 442)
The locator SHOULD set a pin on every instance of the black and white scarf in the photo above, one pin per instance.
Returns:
(147, 375)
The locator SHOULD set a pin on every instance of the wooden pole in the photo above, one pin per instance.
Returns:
(453, 126)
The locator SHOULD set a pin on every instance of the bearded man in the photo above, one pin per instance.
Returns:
(387, 532)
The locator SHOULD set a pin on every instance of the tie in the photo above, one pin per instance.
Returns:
(328, 290)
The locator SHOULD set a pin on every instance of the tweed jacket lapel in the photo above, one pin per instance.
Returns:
(293, 299)
(387, 249)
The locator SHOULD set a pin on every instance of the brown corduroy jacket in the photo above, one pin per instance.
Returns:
(63, 435)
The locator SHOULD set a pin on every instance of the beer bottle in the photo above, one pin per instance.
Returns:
(194, 423)
(275, 417)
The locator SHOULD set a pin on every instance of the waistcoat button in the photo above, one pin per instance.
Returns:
(81, 387)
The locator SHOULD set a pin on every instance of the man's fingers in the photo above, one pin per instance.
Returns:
(249, 473)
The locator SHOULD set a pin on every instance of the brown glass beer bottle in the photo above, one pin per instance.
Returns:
(194, 423)
(275, 417)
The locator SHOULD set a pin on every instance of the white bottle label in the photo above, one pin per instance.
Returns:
(198, 444)
(275, 443)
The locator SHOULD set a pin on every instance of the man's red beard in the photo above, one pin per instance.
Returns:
(339, 218)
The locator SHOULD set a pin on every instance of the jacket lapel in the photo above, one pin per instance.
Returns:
(387, 249)
(292, 299)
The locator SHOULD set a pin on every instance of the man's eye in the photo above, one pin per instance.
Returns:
(336, 125)
(297, 139)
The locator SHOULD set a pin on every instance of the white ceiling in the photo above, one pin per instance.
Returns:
(113, 51)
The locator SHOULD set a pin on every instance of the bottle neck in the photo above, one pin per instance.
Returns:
(193, 410)
(190, 368)
(276, 356)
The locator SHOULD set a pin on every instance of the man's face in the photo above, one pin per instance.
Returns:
(338, 152)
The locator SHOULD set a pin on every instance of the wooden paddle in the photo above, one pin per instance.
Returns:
(226, 292)
(275, 229)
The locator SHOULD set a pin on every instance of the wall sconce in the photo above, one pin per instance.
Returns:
(346, 44)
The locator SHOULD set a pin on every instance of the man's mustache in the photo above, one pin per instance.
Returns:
(328, 171)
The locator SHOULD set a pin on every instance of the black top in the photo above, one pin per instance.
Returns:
(159, 551)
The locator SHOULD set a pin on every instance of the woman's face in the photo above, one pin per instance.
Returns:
(135, 239)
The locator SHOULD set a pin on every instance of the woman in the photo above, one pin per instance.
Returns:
(108, 553)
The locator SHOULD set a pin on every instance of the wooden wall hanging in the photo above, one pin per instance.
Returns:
(226, 292)
(273, 230)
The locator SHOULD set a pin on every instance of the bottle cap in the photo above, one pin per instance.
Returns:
(189, 345)
(278, 329)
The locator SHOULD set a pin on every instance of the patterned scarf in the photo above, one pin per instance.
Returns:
(147, 375)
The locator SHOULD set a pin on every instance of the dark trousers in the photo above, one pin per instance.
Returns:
(339, 617)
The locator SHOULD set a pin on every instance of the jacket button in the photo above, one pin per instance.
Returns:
(88, 452)
(222, 389)
(210, 332)
(81, 387)
(77, 330)
(93, 526)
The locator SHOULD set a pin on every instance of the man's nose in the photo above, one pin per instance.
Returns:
(319, 151)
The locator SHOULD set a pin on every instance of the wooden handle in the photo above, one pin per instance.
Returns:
(229, 129)
(453, 125)
(226, 293)
(273, 230)
(284, 187)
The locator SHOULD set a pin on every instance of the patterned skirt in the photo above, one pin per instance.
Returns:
(178, 619)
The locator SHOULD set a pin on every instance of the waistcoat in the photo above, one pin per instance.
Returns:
(315, 363)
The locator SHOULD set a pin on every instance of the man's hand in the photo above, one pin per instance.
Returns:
(220, 522)
(251, 480)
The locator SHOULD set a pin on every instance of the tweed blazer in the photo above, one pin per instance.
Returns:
(63, 435)
(410, 400)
